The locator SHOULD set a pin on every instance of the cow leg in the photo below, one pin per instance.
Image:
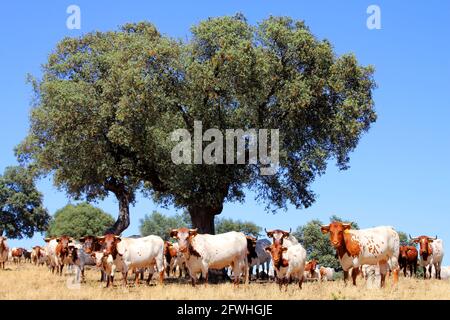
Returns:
(355, 272)
(383, 271)
(61, 269)
(345, 277)
(300, 281)
(136, 277)
(124, 277)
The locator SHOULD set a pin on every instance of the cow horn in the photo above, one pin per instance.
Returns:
(413, 239)
(101, 237)
(117, 237)
(347, 224)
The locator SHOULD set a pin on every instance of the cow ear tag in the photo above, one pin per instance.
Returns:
(346, 231)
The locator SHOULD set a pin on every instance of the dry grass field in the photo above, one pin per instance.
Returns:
(30, 282)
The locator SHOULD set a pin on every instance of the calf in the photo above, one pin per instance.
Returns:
(105, 263)
(288, 262)
(4, 251)
(431, 252)
(374, 246)
(408, 258)
(129, 253)
(205, 251)
(173, 258)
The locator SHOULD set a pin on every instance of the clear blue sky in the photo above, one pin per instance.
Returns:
(399, 173)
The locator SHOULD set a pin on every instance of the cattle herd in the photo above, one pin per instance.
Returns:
(282, 258)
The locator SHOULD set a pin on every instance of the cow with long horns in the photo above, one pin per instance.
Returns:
(431, 253)
(374, 246)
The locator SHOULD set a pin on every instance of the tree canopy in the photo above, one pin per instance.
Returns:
(22, 212)
(160, 225)
(223, 225)
(79, 220)
(107, 102)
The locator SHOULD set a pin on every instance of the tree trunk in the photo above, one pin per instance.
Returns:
(123, 220)
(203, 218)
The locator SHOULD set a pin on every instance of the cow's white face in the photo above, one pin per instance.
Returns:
(184, 236)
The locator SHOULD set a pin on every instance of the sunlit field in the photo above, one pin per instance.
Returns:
(26, 281)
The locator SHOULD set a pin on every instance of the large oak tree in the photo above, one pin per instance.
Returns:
(108, 101)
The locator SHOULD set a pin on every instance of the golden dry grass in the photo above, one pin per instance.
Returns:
(30, 282)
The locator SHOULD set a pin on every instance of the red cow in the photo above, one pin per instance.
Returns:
(408, 258)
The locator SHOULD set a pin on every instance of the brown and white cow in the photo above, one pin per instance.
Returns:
(4, 250)
(310, 269)
(16, 255)
(431, 252)
(130, 253)
(373, 246)
(288, 262)
(205, 251)
(58, 252)
(174, 259)
(408, 258)
(37, 255)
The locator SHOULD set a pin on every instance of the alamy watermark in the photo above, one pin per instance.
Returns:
(253, 142)
(74, 19)
(374, 20)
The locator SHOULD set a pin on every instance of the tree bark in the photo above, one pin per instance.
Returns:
(123, 220)
(203, 218)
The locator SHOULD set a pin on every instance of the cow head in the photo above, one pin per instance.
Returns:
(184, 237)
(336, 230)
(276, 251)
(90, 243)
(63, 244)
(403, 252)
(424, 245)
(109, 243)
(278, 235)
(73, 253)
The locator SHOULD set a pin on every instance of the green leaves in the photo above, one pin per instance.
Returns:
(78, 221)
(247, 227)
(21, 209)
(160, 225)
(108, 101)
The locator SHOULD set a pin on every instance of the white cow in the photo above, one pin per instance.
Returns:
(326, 273)
(205, 251)
(263, 257)
(130, 253)
(288, 262)
(374, 246)
(4, 251)
(50, 249)
(431, 253)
